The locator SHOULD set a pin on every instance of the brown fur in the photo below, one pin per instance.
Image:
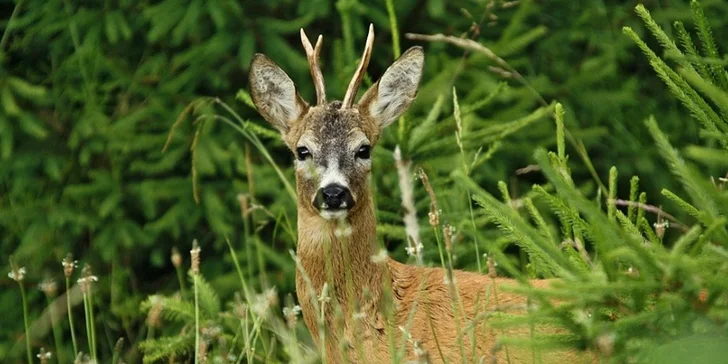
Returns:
(355, 325)
(410, 286)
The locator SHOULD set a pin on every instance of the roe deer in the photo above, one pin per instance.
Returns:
(332, 144)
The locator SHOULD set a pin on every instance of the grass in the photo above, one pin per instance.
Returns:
(633, 281)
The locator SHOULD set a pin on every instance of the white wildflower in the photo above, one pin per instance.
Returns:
(17, 274)
(295, 310)
(343, 231)
(44, 355)
(380, 257)
(447, 280)
(69, 265)
(48, 287)
(264, 301)
(85, 282)
(414, 249)
(324, 297)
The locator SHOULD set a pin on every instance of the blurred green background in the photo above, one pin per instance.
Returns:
(90, 89)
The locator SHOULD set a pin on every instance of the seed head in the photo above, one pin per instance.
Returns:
(264, 301)
(87, 279)
(240, 308)
(291, 315)
(492, 273)
(44, 355)
(434, 213)
(210, 332)
(48, 287)
(203, 349)
(155, 312)
(17, 273)
(82, 358)
(447, 231)
(244, 205)
(380, 257)
(414, 249)
(69, 265)
(660, 228)
(324, 297)
(434, 218)
(195, 257)
(176, 257)
(343, 230)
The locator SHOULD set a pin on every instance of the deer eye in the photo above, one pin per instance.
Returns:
(302, 153)
(364, 152)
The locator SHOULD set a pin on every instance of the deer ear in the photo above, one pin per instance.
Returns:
(390, 97)
(274, 93)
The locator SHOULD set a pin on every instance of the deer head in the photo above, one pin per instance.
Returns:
(332, 141)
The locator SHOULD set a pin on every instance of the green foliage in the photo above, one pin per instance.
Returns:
(126, 129)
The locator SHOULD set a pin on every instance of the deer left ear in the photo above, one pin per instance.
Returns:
(392, 95)
(274, 94)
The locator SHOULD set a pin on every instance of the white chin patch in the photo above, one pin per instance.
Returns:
(334, 215)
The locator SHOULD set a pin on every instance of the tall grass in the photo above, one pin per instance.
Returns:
(641, 274)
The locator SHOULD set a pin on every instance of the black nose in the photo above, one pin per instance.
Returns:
(334, 196)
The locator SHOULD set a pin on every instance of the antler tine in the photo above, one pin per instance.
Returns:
(312, 53)
(359, 74)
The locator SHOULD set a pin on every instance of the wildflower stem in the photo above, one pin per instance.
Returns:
(197, 319)
(88, 323)
(475, 234)
(92, 323)
(70, 315)
(322, 327)
(25, 322)
(439, 246)
(56, 332)
(181, 280)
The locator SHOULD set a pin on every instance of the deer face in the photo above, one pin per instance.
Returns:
(332, 142)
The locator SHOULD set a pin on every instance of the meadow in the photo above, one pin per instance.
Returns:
(148, 212)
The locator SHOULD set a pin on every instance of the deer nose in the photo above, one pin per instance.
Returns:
(334, 197)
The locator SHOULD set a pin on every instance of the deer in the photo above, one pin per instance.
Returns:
(332, 145)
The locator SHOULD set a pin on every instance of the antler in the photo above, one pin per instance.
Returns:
(312, 53)
(359, 74)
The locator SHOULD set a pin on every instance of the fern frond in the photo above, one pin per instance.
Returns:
(687, 42)
(665, 41)
(165, 347)
(209, 300)
(710, 49)
(684, 205)
(696, 188)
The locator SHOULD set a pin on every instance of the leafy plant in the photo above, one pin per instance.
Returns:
(89, 92)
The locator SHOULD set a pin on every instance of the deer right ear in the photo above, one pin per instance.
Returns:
(392, 95)
(274, 93)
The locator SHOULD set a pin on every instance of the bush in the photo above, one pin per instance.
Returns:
(89, 93)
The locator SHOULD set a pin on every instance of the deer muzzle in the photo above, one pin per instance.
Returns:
(334, 197)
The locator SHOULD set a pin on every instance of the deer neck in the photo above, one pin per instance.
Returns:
(338, 253)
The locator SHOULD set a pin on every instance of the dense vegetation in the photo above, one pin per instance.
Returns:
(126, 132)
